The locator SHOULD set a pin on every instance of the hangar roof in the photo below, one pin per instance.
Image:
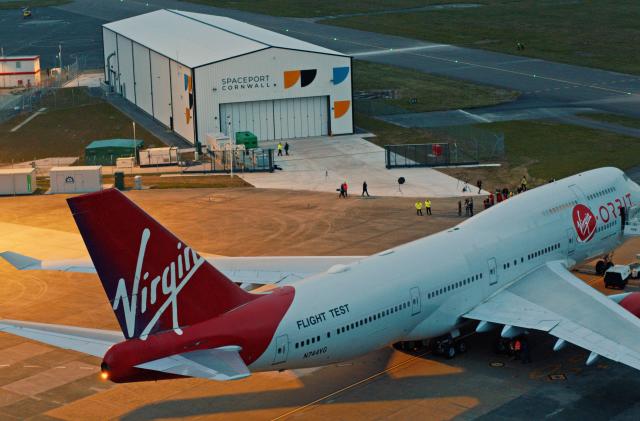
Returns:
(195, 39)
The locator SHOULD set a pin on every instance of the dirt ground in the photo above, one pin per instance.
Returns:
(42, 382)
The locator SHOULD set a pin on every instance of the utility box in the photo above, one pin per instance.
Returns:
(248, 139)
(159, 157)
(118, 177)
(18, 181)
(75, 179)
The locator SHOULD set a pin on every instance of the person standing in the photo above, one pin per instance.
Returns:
(419, 208)
(341, 190)
(479, 184)
(286, 148)
(471, 207)
(523, 183)
(364, 189)
(466, 207)
(459, 207)
(279, 148)
(427, 206)
(346, 190)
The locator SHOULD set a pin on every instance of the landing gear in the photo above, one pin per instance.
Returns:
(449, 347)
(603, 265)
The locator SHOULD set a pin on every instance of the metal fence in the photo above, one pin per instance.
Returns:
(30, 99)
(227, 161)
(460, 145)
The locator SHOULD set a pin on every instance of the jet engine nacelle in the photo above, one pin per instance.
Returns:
(631, 303)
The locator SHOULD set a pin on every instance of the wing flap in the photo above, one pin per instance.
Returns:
(88, 341)
(220, 364)
(551, 299)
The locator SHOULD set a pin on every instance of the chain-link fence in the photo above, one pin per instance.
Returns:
(47, 94)
(460, 145)
(226, 161)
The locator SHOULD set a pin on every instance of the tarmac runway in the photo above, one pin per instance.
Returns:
(543, 84)
(42, 382)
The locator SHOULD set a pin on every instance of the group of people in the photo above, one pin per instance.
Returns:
(468, 207)
(427, 207)
(285, 148)
(505, 194)
(344, 190)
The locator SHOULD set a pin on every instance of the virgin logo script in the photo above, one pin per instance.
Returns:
(584, 222)
(170, 282)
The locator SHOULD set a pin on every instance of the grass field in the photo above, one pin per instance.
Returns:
(600, 33)
(432, 93)
(66, 131)
(311, 8)
(544, 150)
(182, 182)
(31, 3)
(614, 118)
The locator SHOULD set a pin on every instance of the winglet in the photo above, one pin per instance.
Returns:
(20, 261)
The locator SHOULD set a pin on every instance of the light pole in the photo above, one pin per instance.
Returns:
(133, 123)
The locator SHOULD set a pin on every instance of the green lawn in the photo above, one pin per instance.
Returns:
(602, 33)
(31, 3)
(544, 150)
(614, 118)
(432, 93)
(311, 8)
(66, 131)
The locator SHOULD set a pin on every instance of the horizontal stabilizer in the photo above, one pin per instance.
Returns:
(94, 342)
(22, 262)
(220, 364)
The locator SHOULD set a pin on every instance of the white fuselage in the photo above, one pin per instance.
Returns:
(422, 289)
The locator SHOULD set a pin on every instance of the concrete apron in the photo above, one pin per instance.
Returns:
(323, 163)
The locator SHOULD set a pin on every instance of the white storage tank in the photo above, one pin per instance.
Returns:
(18, 181)
(75, 179)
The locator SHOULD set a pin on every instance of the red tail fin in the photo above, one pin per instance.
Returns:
(154, 281)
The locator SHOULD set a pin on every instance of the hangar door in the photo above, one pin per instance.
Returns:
(277, 119)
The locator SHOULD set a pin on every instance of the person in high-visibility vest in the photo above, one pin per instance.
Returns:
(427, 206)
(419, 208)
(279, 148)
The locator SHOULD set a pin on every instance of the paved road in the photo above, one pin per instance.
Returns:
(543, 84)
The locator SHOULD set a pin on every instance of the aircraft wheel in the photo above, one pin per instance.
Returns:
(450, 352)
(600, 267)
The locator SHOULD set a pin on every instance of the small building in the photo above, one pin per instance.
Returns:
(18, 181)
(200, 74)
(75, 179)
(19, 71)
(106, 152)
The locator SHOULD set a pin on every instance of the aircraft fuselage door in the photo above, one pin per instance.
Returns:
(416, 307)
(571, 241)
(282, 349)
(493, 271)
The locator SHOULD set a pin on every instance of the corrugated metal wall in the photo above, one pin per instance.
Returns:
(125, 60)
(182, 101)
(109, 42)
(160, 83)
(142, 77)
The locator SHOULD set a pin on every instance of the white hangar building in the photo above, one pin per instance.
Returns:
(199, 74)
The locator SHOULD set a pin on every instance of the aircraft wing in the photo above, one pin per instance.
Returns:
(551, 299)
(222, 363)
(94, 342)
(243, 270)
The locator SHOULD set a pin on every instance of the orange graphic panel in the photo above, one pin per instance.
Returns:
(187, 115)
(291, 78)
(340, 108)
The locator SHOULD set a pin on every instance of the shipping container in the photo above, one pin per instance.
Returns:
(18, 181)
(76, 179)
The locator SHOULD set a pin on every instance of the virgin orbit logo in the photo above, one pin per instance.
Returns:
(585, 223)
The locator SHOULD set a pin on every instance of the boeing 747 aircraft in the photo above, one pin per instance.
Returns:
(506, 268)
